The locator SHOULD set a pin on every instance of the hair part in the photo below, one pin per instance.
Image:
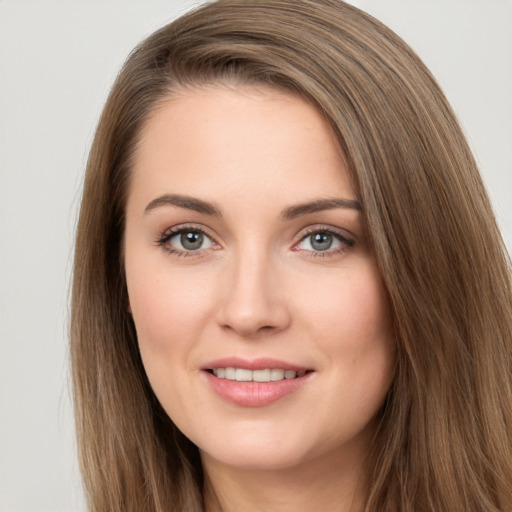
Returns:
(444, 441)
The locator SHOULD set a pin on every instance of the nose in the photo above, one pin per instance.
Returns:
(254, 299)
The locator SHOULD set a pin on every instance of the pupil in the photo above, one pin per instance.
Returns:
(191, 240)
(321, 241)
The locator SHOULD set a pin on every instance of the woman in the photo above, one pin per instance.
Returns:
(289, 291)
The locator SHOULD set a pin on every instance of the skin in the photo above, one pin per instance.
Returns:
(258, 287)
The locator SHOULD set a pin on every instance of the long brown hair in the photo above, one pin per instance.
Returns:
(445, 436)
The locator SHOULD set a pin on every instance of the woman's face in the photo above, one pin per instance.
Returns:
(261, 317)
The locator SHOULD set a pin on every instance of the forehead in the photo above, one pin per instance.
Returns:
(245, 139)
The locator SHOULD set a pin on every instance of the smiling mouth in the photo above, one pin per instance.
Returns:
(264, 375)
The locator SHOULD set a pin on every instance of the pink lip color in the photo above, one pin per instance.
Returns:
(253, 394)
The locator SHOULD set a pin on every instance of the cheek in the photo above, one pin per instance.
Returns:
(168, 311)
(351, 309)
(167, 307)
(350, 322)
(365, 324)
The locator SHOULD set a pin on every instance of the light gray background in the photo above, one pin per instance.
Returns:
(57, 62)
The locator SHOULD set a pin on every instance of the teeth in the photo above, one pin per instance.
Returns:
(261, 375)
(242, 375)
(267, 375)
(276, 374)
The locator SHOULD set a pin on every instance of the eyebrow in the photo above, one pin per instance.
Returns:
(190, 203)
(319, 205)
(292, 212)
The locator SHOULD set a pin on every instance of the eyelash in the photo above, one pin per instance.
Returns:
(346, 243)
(165, 236)
(169, 233)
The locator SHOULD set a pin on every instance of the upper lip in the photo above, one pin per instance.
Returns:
(261, 363)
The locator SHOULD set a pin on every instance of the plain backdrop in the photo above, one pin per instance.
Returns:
(58, 60)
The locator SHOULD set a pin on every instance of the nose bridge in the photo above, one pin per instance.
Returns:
(253, 300)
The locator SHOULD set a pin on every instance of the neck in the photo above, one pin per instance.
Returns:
(329, 483)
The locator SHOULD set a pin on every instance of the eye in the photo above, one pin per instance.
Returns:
(321, 241)
(189, 240)
(324, 241)
(186, 241)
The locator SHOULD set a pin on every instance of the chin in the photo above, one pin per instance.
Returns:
(295, 446)
(257, 458)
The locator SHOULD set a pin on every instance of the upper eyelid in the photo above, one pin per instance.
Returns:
(169, 232)
(343, 233)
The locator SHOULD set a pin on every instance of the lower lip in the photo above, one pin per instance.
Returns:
(254, 394)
